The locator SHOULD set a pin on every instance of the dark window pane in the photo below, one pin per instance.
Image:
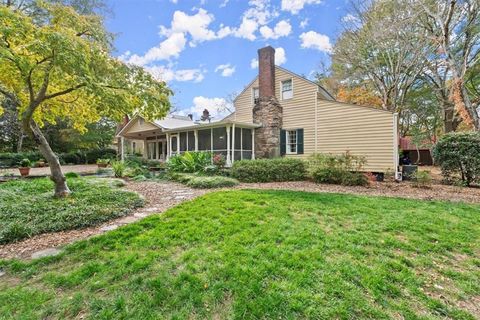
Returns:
(247, 155)
(174, 144)
(237, 155)
(219, 139)
(183, 141)
(204, 142)
(191, 141)
(238, 136)
(247, 139)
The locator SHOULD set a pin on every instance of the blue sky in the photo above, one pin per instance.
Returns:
(205, 49)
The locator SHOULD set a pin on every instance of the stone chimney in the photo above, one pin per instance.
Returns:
(267, 111)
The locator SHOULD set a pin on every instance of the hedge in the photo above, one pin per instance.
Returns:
(269, 170)
(10, 159)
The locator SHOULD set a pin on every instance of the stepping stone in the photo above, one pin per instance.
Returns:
(109, 228)
(140, 214)
(50, 252)
(152, 209)
(2, 273)
(180, 197)
(127, 220)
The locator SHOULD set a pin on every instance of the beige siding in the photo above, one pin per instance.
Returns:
(360, 130)
(298, 112)
(139, 125)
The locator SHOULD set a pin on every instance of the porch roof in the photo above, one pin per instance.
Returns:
(216, 124)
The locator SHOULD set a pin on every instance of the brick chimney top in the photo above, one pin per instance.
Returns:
(266, 72)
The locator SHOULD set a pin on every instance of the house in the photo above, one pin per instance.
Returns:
(278, 114)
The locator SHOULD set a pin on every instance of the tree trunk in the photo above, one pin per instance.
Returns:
(61, 188)
(450, 120)
(463, 104)
(20, 140)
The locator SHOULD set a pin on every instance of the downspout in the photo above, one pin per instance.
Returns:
(395, 145)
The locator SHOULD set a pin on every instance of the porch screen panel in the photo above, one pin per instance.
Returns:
(191, 141)
(204, 140)
(246, 139)
(219, 139)
(183, 141)
(238, 137)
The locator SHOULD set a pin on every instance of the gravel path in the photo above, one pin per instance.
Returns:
(159, 196)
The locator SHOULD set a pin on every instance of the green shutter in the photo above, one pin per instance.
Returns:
(283, 142)
(300, 141)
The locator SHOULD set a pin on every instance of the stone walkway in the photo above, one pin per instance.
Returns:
(159, 196)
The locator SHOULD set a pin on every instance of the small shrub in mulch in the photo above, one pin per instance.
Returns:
(269, 170)
(344, 169)
(203, 182)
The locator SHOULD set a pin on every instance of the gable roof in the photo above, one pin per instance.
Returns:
(174, 121)
(322, 89)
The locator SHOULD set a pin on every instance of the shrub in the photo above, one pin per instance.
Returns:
(458, 155)
(119, 168)
(422, 179)
(269, 170)
(134, 160)
(25, 163)
(73, 157)
(103, 161)
(209, 182)
(344, 169)
(72, 175)
(219, 160)
(92, 155)
(10, 159)
(190, 162)
(140, 177)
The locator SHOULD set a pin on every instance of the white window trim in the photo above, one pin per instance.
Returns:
(253, 94)
(281, 89)
(287, 133)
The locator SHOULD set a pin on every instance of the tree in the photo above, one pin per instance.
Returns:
(62, 69)
(381, 47)
(361, 95)
(206, 116)
(453, 29)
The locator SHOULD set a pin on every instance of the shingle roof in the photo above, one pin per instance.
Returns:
(174, 121)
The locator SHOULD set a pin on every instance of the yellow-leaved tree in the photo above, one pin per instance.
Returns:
(59, 66)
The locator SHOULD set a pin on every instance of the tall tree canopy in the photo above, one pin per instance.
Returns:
(61, 68)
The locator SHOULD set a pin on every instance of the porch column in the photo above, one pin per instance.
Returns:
(168, 146)
(233, 143)
(145, 151)
(253, 143)
(229, 161)
(195, 133)
(122, 148)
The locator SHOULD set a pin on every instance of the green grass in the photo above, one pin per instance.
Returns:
(27, 207)
(253, 254)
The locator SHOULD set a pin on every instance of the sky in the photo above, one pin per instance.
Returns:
(206, 49)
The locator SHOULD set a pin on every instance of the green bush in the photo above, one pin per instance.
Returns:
(92, 155)
(25, 163)
(190, 162)
(422, 179)
(458, 155)
(73, 157)
(209, 182)
(344, 169)
(72, 175)
(10, 159)
(269, 170)
(119, 168)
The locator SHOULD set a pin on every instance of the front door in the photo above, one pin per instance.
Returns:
(162, 150)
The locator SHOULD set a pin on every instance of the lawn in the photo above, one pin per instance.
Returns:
(250, 254)
(27, 207)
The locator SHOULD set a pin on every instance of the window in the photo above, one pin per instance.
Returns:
(256, 95)
(134, 147)
(291, 141)
(287, 89)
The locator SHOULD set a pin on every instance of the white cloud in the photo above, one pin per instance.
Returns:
(174, 1)
(226, 70)
(304, 23)
(247, 29)
(224, 3)
(281, 29)
(168, 74)
(196, 25)
(216, 106)
(294, 6)
(171, 47)
(280, 58)
(314, 40)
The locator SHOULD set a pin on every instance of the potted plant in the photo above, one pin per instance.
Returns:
(24, 167)
(41, 163)
(103, 163)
